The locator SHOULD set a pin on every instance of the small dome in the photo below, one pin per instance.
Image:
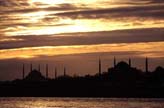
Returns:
(159, 68)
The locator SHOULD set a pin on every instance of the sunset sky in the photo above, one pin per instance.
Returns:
(75, 33)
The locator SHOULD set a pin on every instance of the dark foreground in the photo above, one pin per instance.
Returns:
(73, 88)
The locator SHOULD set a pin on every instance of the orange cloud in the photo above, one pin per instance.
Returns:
(151, 49)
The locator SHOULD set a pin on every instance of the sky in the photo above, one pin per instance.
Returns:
(76, 33)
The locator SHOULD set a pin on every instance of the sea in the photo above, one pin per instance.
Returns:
(49, 102)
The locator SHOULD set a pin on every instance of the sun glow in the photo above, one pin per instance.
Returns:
(49, 30)
(35, 16)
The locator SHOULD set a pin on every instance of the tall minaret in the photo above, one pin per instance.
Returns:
(39, 67)
(64, 71)
(99, 66)
(46, 70)
(31, 67)
(114, 62)
(146, 65)
(129, 62)
(55, 73)
(23, 74)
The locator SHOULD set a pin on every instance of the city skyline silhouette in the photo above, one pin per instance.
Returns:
(64, 68)
(122, 75)
(73, 68)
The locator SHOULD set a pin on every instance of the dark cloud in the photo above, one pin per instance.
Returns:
(32, 24)
(6, 3)
(13, 3)
(88, 38)
(156, 1)
(59, 7)
(141, 2)
(154, 11)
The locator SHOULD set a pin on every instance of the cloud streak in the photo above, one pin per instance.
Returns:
(155, 11)
(146, 49)
(89, 38)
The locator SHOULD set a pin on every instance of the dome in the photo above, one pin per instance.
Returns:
(35, 76)
(122, 65)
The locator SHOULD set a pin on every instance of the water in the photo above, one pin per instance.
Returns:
(80, 103)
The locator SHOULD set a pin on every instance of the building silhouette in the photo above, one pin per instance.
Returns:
(35, 75)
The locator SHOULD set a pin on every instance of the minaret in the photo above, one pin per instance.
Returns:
(99, 66)
(129, 62)
(146, 65)
(23, 74)
(31, 67)
(46, 70)
(39, 67)
(114, 62)
(64, 71)
(55, 73)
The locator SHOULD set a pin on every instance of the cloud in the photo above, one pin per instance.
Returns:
(75, 11)
(150, 49)
(29, 9)
(88, 38)
(6, 3)
(154, 11)
(13, 3)
(156, 1)
(33, 24)
(23, 20)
